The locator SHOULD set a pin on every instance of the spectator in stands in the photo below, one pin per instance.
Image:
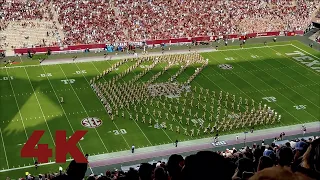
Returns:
(257, 154)
(264, 162)
(278, 173)
(145, 171)
(160, 174)
(310, 164)
(207, 165)
(244, 165)
(174, 166)
(132, 174)
(285, 156)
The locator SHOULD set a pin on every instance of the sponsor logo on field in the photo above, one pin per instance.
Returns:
(225, 66)
(91, 122)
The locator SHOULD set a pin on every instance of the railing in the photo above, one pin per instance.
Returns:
(79, 48)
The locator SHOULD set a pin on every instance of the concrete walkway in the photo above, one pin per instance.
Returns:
(196, 145)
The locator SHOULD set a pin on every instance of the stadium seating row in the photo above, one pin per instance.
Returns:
(293, 160)
(84, 22)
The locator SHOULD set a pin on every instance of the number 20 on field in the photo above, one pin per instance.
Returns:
(63, 147)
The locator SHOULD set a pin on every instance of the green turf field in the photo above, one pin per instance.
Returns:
(30, 97)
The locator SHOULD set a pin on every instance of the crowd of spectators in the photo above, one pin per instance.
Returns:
(298, 159)
(100, 21)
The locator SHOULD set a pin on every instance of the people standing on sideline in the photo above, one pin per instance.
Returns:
(237, 137)
(176, 143)
(132, 148)
(36, 164)
(60, 170)
(304, 129)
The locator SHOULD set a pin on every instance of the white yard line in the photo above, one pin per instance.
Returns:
(217, 85)
(134, 120)
(84, 108)
(254, 88)
(4, 148)
(64, 112)
(304, 51)
(152, 115)
(270, 87)
(290, 78)
(45, 119)
(106, 110)
(102, 105)
(300, 64)
(281, 83)
(15, 98)
(192, 81)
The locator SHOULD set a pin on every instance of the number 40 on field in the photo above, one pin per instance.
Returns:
(63, 147)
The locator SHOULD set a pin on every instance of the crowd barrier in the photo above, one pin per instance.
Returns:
(99, 47)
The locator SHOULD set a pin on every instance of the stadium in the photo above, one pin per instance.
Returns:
(165, 90)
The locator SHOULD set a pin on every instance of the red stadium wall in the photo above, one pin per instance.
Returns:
(79, 48)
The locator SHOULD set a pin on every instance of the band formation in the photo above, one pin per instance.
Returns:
(176, 106)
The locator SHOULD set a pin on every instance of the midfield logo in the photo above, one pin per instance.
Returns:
(63, 147)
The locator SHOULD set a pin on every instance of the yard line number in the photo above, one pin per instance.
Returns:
(6, 78)
(300, 107)
(81, 72)
(68, 81)
(229, 58)
(270, 99)
(254, 56)
(46, 75)
(120, 131)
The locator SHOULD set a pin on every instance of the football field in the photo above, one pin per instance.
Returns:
(284, 76)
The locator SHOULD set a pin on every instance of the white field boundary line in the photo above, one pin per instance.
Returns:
(246, 82)
(106, 110)
(83, 108)
(129, 113)
(15, 98)
(150, 114)
(101, 104)
(300, 64)
(209, 140)
(281, 83)
(288, 77)
(4, 148)
(269, 86)
(213, 50)
(45, 119)
(305, 51)
(64, 112)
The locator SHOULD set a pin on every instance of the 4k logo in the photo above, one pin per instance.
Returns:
(63, 147)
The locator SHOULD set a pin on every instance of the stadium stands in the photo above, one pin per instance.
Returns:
(298, 158)
(84, 22)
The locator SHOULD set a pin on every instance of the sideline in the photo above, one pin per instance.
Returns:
(186, 146)
(118, 57)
